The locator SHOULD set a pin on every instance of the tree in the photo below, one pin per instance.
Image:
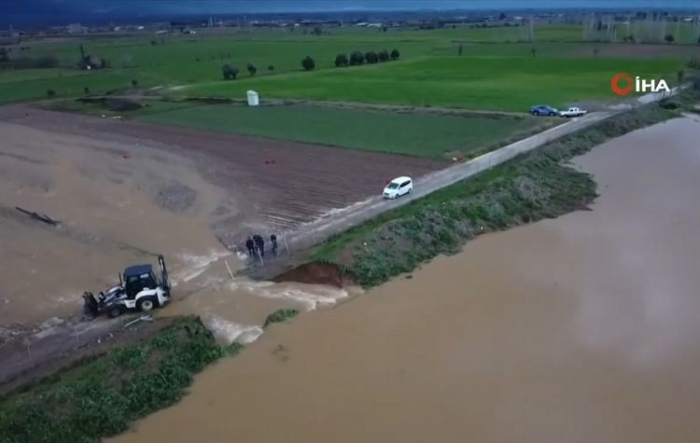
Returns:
(395, 54)
(317, 31)
(134, 83)
(86, 90)
(372, 57)
(270, 68)
(4, 57)
(384, 56)
(308, 63)
(341, 60)
(460, 48)
(502, 16)
(229, 72)
(534, 52)
(51, 93)
(252, 70)
(669, 38)
(357, 58)
(681, 76)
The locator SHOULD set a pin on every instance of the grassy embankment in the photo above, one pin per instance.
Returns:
(99, 397)
(531, 187)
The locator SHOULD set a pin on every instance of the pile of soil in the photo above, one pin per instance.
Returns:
(318, 273)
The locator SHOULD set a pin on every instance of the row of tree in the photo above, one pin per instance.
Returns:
(358, 58)
(309, 64)
(231, 72)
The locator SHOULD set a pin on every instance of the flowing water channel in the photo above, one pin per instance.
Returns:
(581, 329)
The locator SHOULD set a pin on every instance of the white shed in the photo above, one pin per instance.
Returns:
(253, 98)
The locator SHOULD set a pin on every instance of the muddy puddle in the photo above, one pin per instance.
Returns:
(580, 329)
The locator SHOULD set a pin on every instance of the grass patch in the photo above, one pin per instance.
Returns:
(531, 187)
(101, 396)
(279, 316)
(413, 134)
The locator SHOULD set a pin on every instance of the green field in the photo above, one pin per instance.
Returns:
(414, 134)
(496, 70)
(504, 83)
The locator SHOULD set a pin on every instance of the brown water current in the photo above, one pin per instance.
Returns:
(581, 329)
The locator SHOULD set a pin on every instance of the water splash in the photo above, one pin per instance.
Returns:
(228, 332)
(310, 297)
(196, 265)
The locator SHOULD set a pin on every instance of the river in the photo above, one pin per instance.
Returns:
(580, 329)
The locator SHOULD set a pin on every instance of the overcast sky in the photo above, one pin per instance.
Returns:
(40, 10)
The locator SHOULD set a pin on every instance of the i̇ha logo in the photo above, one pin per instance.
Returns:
(623, 84)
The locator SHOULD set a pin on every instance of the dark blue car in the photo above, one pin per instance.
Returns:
(544, 110)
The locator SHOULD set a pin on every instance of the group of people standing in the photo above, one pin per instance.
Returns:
(256, 243)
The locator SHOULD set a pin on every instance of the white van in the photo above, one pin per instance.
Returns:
(398, 187)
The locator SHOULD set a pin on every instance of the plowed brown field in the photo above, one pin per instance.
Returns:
(280, 184)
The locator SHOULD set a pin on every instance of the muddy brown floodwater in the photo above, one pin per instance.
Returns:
(581, 329)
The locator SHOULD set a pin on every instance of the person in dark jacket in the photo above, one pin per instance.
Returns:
(250, 244)
(260, 244)
(273, 240)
